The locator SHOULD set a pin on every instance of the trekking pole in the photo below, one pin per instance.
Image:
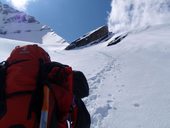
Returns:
(45, 108)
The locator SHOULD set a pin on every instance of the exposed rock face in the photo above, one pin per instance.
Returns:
(91, 38)
(117, 39)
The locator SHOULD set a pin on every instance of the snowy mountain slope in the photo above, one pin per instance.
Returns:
(20, 26)
(129, 81)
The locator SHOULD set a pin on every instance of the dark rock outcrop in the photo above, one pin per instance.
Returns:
(91, 38)
(117, 39)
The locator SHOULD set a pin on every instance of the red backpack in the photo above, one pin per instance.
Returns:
(38, 93)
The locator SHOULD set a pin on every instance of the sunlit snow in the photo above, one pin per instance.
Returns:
(129, 82)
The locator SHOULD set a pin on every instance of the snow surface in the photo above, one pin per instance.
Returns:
(129, 82)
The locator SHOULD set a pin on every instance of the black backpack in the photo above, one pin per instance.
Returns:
(81, 90)
(83, 117)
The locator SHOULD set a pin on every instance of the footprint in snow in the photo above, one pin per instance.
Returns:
(100, 114)
(136, 105)
(119, 90)
(114, 108)
(93, 97)
(110, 95)
(109, 101)
(123, 85)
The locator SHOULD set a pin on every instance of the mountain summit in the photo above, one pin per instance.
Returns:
(20, 26)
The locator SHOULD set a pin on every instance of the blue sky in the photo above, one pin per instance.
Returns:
(69, 18)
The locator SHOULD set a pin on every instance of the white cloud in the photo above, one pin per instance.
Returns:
(20, 4)
(131, 14)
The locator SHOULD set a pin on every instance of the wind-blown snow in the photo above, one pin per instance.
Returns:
(129, 82)
(134, 14)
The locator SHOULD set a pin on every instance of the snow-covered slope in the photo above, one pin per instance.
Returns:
(129, 82)
(20, 26)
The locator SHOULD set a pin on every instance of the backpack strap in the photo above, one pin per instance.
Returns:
(37, 95)
(3, 67)
(72, 117)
